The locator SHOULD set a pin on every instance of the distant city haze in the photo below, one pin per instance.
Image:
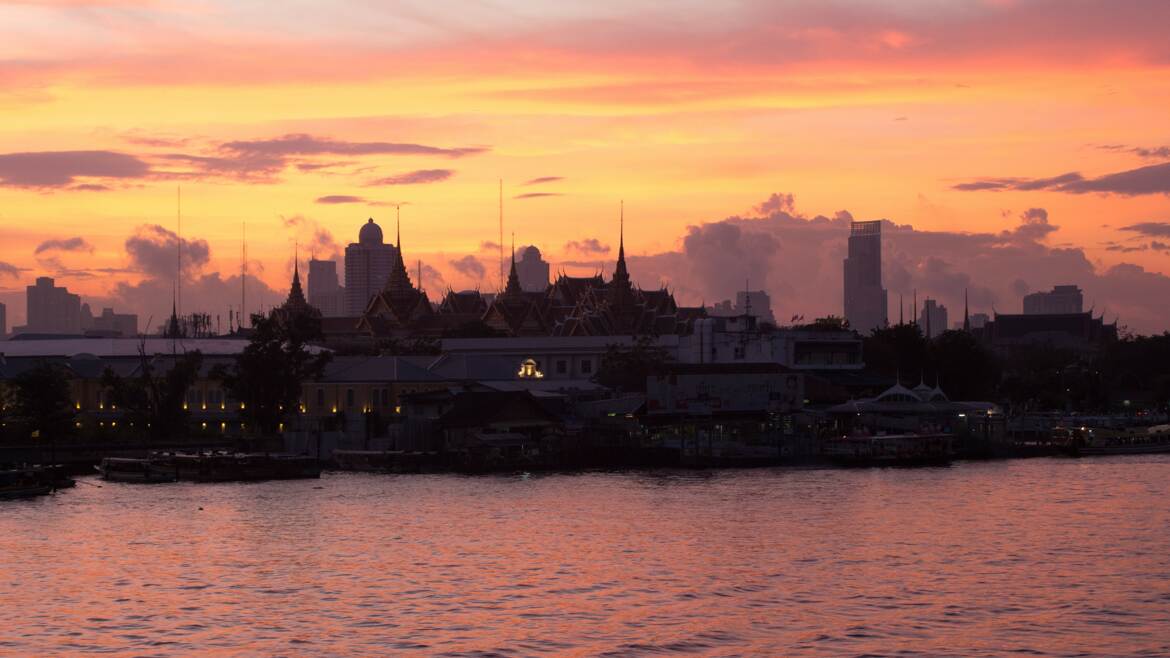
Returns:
(1010, 146)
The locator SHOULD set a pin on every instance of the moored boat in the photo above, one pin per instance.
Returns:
(1094, 442)
(889, 449)
(127, 469)
(24, 482)
(238, 466)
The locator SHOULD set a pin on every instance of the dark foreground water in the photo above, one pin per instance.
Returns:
(1039, 557)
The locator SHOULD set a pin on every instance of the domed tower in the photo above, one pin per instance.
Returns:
(533, 271)
(370, 233)
(368, 264)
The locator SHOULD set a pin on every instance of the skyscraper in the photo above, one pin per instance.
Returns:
(933, 319)
(865, 298)
(368, 263)
(3, 321)
(532, 270)
(52, 310)
(325, 291)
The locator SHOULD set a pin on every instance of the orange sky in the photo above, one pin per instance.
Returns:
(688, 111)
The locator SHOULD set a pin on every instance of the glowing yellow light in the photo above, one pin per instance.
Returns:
(204, 424)
(184, 406)
(528, 370)
(397, 408)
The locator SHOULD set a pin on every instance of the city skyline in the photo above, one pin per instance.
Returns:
(950, 120)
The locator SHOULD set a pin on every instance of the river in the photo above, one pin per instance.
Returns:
(1041, 557)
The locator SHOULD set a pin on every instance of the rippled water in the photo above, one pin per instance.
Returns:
(1038, 557)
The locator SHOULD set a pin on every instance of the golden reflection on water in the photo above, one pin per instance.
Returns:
(1048, 557)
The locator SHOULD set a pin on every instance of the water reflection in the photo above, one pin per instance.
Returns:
(1049, 557)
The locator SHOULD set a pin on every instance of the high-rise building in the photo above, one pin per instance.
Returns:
(52, 310)
(325, 291)
(865, 298)
(1061, 299)
(108, 323)
(933, 319)
(532, 270)
(368, 263)
(3, 321)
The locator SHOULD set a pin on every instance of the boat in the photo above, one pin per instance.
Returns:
(240, 466)
(23, 482)
(889, 449)
(128, 469)
(1095, 442)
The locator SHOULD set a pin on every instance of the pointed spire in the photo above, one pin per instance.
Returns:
(398, 227)
(620, 286)
(398, 283)
(513, 288)
(966, 312)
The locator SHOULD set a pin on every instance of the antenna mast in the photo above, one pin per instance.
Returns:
(243, 273)
(501, 234)
(178, 248)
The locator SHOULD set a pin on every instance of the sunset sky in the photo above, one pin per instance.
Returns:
(1026, 143)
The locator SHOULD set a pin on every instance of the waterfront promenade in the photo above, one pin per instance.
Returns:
(1044, 556)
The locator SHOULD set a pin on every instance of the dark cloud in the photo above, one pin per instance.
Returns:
(1152, 229)
(153, 251)
(63, 168)
(301, 144)
(8, 269)
(340, 198)
(64, 244)
(587, 246)
(469, 266)
(536, 195)
(1157, 245)
(420, 176)
(488, 245)
(1150, 153)
(543, 179)
(1152, 179)
(90, 187)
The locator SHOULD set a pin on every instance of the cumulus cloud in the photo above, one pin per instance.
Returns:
(469, 266)
(420, 176)
(587, 246)
(1152, 179)
(777, 203)
(313, 237)
(340, 198)
(798, 260)
(64, 244)
(543, 179)
(153, 250)
(1033, 226)
(62, 168)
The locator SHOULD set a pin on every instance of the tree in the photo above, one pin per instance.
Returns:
(965, 368)
(42, 401)
(267, 376)
(154, 400)
(898, 350)
(626, 368)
